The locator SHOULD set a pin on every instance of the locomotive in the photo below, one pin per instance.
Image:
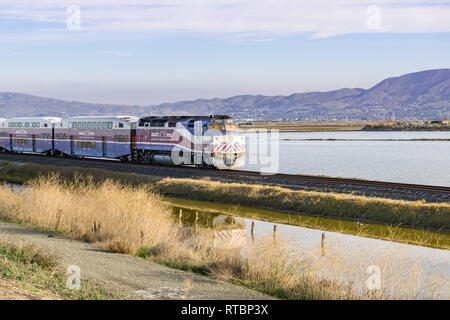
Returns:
(204, 141)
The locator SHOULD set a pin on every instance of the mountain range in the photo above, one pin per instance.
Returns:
(421, 95)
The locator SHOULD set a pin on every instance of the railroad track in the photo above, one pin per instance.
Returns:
(405, 186)
(376, 188)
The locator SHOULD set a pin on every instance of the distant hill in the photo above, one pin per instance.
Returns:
(20, 104)
(420, 95)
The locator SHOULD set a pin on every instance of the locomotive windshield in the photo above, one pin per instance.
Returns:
(231, 125)
(224, 125)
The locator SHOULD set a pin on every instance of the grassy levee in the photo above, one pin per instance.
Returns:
(394, 212)
(417, 214)
(37, 272)
(16, 172)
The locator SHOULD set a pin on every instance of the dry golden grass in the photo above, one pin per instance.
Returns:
(134, 220)
(117, 215)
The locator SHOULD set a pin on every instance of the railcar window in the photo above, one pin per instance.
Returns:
(86, 144)
(21, 141)
(154, 123)
(120, 125)
(120, 138)
(99, 125)
(172, 124)
(110, 125)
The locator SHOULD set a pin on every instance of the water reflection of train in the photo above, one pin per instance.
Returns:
(203, 141)
(228, 231)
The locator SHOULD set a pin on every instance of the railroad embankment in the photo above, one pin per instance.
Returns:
(295, 182)
(417, 214)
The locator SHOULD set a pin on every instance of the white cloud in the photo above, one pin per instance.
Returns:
(267, 18)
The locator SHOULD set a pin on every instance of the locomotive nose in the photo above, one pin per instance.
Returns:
(229, 151)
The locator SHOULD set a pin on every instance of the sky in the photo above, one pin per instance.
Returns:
(155, 51)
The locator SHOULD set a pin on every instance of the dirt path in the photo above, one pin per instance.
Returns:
(133, 277)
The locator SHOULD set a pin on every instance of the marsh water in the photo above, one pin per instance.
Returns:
(401, 156)
(404, 268)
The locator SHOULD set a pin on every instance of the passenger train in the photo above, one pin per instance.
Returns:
(204, 141)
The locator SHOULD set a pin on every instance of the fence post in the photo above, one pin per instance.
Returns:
(323, 244)
(252, 232)
(180, 215)
(274, 232)
(196, 221)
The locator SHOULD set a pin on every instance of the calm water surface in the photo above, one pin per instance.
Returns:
(360, 156)
(404, 268)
